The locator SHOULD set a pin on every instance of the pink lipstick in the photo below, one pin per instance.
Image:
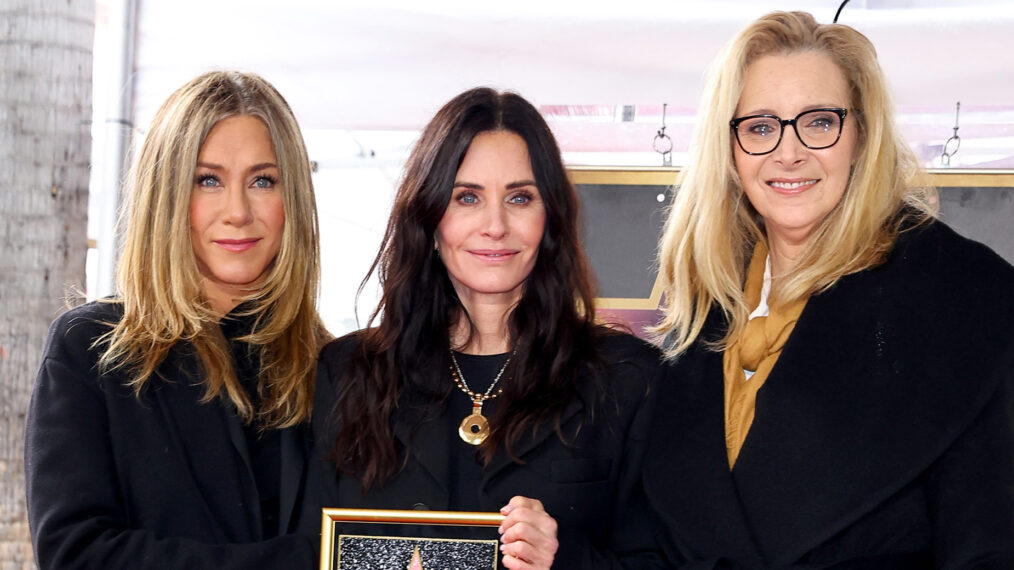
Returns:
(237, 245)
(791, 185)
(493, 255)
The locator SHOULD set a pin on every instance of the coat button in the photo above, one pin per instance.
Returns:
(420, 507)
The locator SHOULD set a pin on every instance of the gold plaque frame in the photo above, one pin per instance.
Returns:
(331, 518)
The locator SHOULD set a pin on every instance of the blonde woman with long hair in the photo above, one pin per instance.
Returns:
(166, 429)
(843, 363)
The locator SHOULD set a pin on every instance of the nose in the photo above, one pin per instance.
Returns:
(495, 224)
(237, 206)
(790, 149)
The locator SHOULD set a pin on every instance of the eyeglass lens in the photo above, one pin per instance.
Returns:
(816, 129)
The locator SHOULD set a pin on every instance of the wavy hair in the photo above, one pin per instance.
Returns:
(712, 227)
(552, 328)
(159, 283)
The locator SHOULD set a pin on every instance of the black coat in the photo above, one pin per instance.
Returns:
(883, 437)
(585, 484)
(158, 482)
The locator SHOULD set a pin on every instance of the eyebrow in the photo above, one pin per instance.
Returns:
(511, 186)
(254, 168)
(805, 109)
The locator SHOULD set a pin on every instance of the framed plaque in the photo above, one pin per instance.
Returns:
(374, 539)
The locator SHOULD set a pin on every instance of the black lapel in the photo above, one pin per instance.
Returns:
(418, 427)
(544, 430)
(686, 471)
(870, 389)
(205, 444)
(294, 454)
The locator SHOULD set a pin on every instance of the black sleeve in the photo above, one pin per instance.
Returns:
(971, 487)
(633, 543)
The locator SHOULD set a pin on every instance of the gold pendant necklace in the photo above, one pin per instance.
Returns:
(474, 429)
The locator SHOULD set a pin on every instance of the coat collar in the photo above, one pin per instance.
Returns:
(206, 444)
(418, 428)
(546, 429)
(686, 473)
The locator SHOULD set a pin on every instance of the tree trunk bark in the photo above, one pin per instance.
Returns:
(45, 115)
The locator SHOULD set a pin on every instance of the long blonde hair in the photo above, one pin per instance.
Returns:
(158, 281)
(712, 227)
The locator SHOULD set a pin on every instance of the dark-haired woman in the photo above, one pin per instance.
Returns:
(486, 385)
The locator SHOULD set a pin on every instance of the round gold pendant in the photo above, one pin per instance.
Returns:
(474, 429)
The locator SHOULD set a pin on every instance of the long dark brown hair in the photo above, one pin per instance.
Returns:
(552, 328)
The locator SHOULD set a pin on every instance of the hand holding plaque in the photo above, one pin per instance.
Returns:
(528, 534)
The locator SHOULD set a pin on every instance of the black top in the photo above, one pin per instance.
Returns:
(466, 472)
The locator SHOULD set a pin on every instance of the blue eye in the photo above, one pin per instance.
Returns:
(762, 128)
(208, 180)
(264, 182)
(467, 198)
(521, 198)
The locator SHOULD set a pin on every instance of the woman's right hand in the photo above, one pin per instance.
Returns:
(528, 535)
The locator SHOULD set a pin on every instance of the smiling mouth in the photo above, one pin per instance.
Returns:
(791, 186)
(237, 245)
(493, 254)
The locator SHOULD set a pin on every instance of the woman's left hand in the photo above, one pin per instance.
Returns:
(528, 535)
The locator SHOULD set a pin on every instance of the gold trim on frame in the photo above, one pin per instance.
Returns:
(982, 178)
(447, 518)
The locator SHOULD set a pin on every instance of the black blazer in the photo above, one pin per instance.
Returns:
(883, 437)
(585, 485)
(160, 482)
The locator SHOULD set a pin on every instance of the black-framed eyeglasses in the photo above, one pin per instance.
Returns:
(816, 129)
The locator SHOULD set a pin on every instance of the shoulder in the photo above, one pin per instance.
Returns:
(617, 347)
(936, 320)
(70, 361)
(76, 331)
(944, 275)
(340, 350)
(631, 365)
(336, 357)
(935, 250)
(96, 314)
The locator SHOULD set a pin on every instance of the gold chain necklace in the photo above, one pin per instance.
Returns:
(474, 429)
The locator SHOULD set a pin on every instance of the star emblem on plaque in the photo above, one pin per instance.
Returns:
(416, 563)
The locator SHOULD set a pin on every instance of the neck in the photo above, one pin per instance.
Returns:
(222, 306)
(222, 299)
(490, 335)
(784, 253)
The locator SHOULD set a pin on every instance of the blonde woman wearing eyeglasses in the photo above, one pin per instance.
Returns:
(843, 363)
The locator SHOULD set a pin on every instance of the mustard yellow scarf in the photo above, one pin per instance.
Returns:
(756, 349)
